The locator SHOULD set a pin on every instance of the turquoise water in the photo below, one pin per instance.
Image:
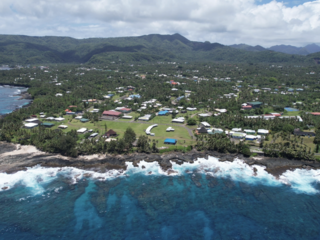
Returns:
(9, 102)
(208, 200)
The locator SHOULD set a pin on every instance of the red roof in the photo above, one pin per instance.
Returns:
(72, 106)
(316, 113)
(247, 106)
(126, 109)
(111, 113)
(276, 114)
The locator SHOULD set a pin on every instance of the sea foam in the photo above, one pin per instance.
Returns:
(299, 180)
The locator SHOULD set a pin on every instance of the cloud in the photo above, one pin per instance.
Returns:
(224, 21)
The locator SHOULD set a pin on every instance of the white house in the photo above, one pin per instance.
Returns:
(82, 130)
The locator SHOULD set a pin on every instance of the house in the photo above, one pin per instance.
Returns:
(248, 107)
(268, 116)
(221, 110)
(236, 129)
(170, 141)
(111, 113)
(110, 133)
(315, 113)
(135, 96)
(127, 117)
(249, 131)
(63, 126)
(204, 114)
(30, 125)
(124, 110)
(205, 124)
(263, 131)
(298, 132)
(82, 130)
(149, 129)
(255, 104)
(95, 110)
(170, 129)
(30, 120)
(46, 124)
(78, 117)
(239, 135)
(178, 120)
(93, 135)
(84, 120)
(163, 113)
(145, 117)
(59, 119)
(191, 109)
(251, 137)
(202, 130)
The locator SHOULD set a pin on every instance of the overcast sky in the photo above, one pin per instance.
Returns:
(254, 22)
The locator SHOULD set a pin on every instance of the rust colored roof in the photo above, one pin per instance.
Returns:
(316, 113)
(111, 113)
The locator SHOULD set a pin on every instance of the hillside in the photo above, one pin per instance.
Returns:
(15, 49)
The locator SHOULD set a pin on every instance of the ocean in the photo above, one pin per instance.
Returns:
(204, 200)
(9, 102)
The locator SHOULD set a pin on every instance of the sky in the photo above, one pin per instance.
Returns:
(253, 22)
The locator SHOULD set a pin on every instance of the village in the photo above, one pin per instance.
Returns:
(169, 107)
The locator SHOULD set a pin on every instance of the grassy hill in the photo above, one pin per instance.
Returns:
(15, 49)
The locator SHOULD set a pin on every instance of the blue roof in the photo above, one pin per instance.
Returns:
(179, 98)
(135, 96)
(170, 140)
(162, 112)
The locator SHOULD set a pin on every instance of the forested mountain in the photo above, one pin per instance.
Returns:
(288, 49)
(16, 49)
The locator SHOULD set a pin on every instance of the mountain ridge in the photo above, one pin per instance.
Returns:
(22, 49)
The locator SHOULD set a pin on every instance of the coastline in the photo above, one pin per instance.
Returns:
(14, 157)
(22, 95)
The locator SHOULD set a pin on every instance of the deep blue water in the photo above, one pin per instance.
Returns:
(9, 102)
(216, 202)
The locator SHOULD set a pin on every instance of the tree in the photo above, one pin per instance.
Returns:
(143, 144)
(191, 121)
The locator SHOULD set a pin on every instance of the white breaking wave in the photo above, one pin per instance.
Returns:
(299, 180)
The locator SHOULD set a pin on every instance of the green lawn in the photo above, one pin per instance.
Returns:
(292, 114)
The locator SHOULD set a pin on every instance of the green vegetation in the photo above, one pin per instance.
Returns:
(210, 87)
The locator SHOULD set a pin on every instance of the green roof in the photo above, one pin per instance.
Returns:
(47, 124)
(255, 103)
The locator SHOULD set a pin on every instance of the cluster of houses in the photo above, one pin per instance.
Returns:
(238, 133)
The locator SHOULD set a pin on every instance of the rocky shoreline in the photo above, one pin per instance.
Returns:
(15, 158)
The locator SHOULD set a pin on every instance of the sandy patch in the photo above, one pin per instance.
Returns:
(22, 150)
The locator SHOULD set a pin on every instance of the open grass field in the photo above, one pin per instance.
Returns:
(180, 133)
